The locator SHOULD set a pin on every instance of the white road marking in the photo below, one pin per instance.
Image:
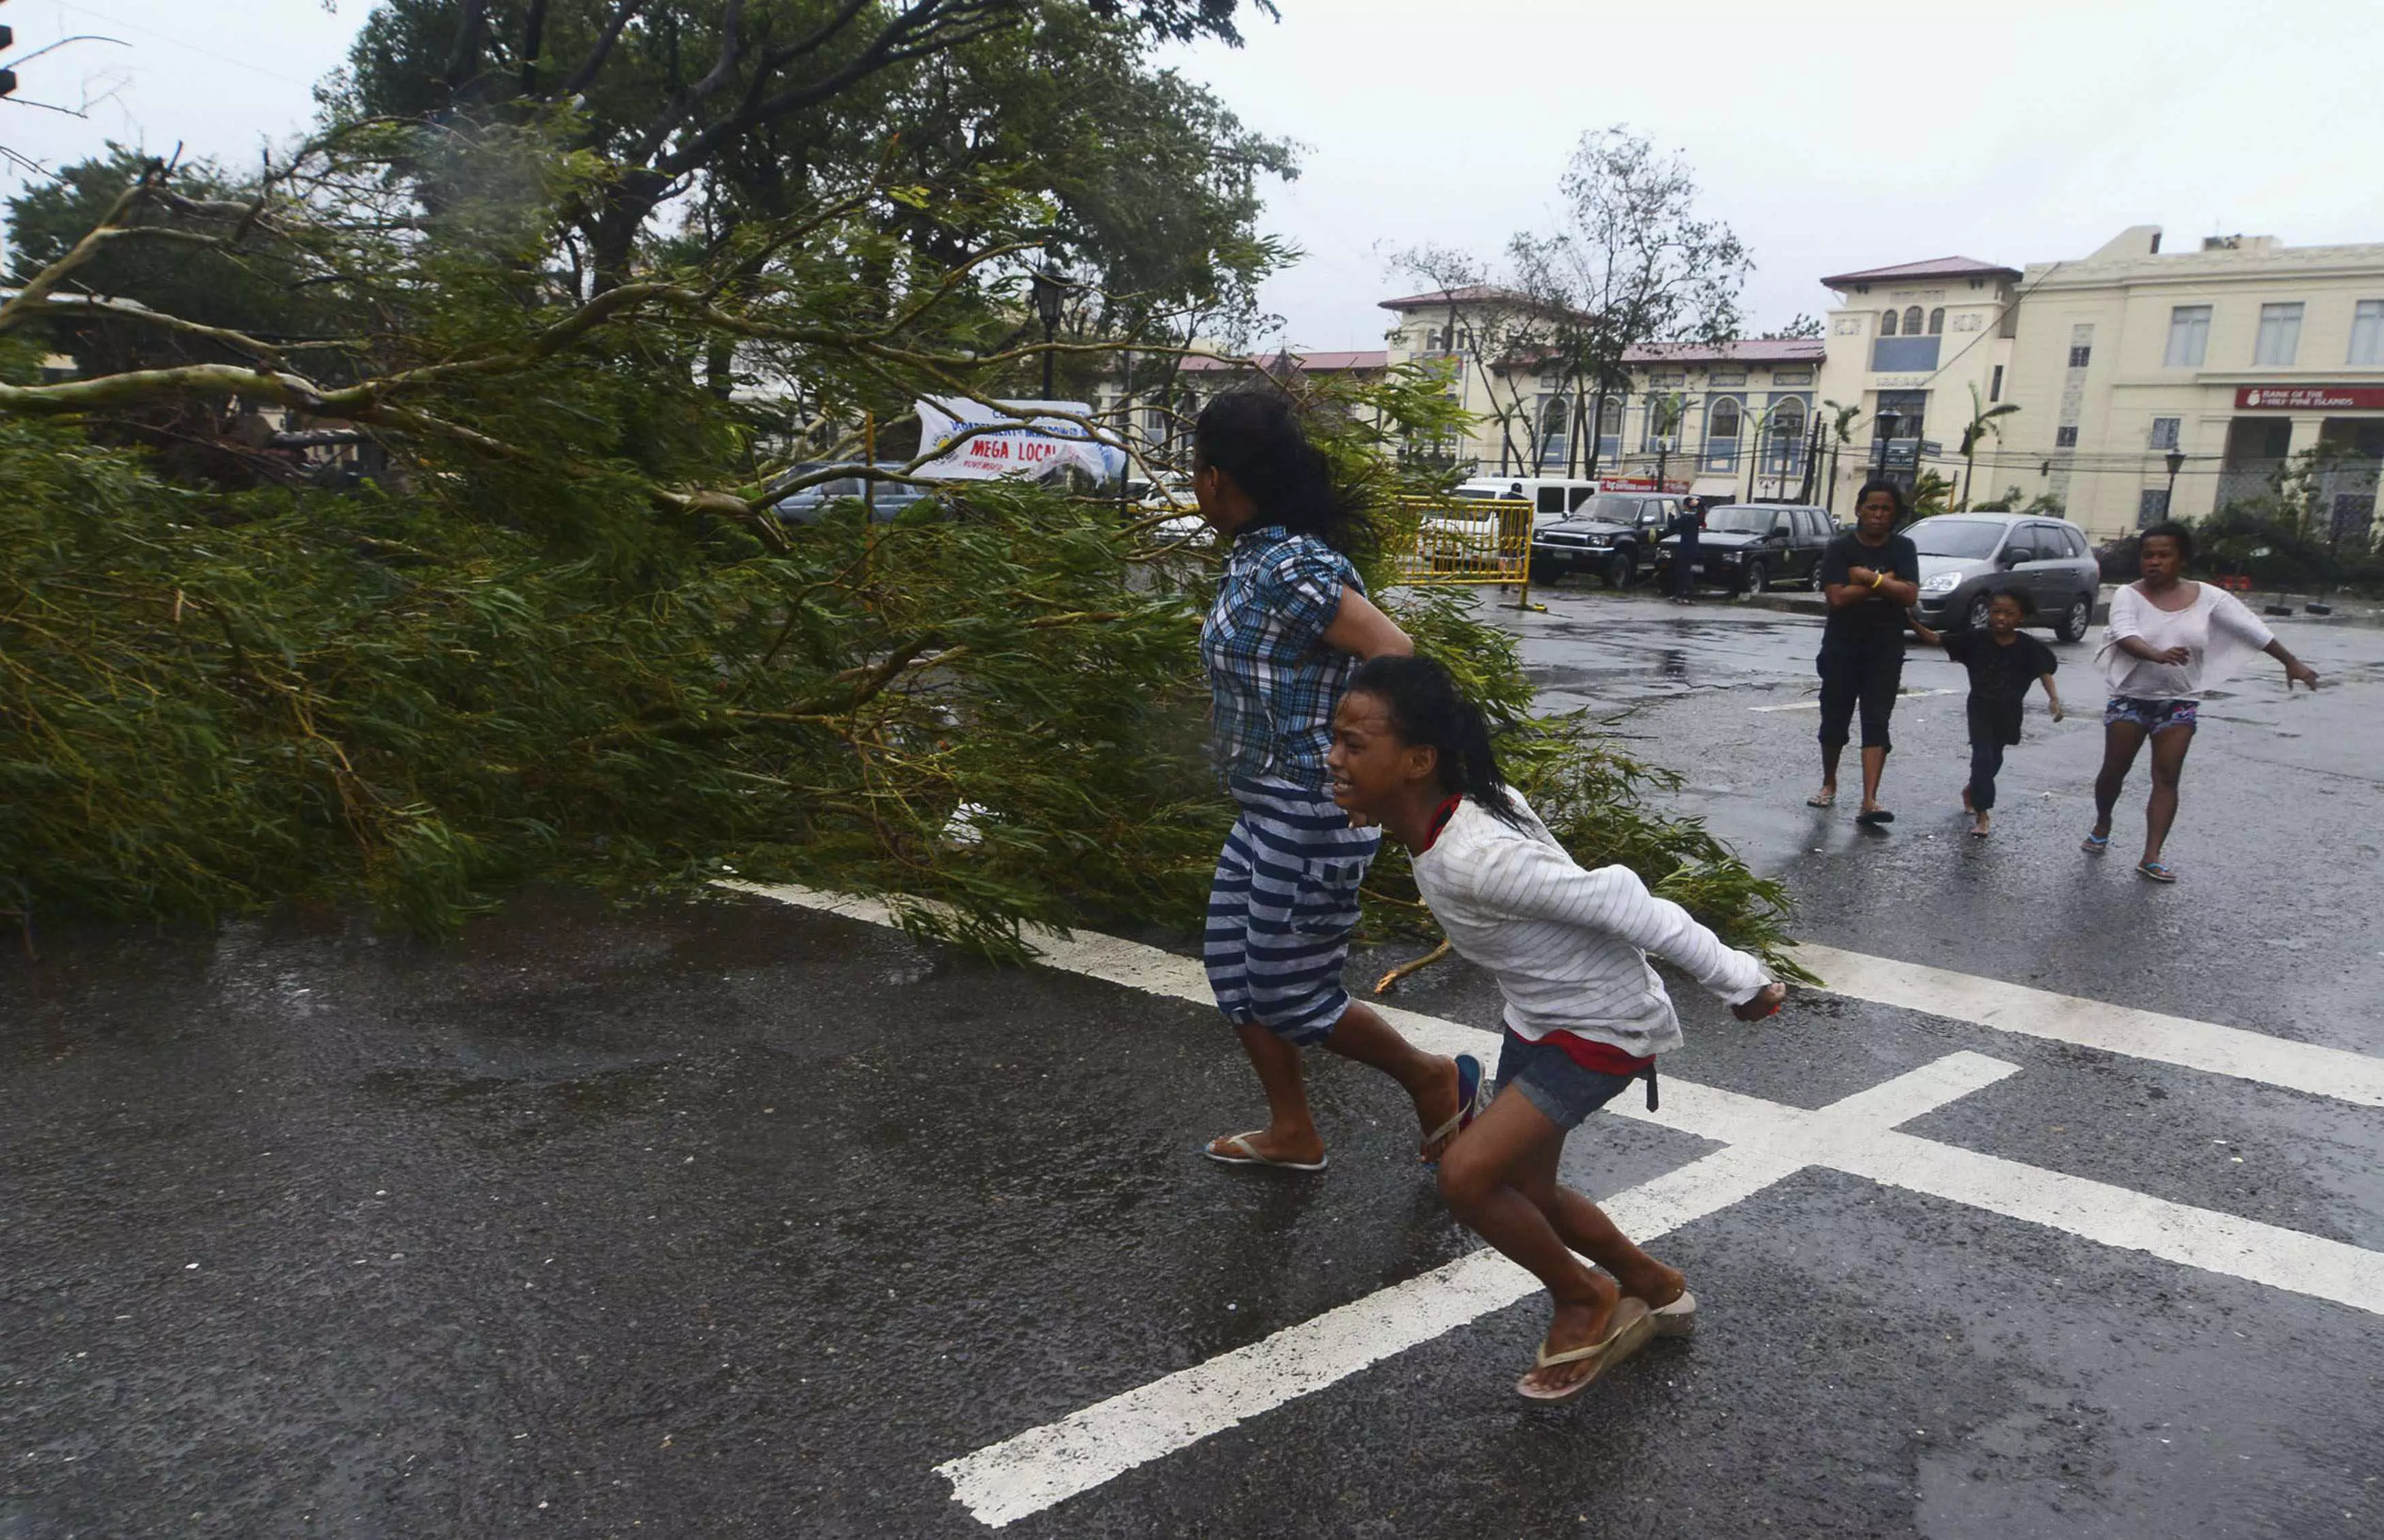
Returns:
(1765, 1142)
(2237, 1053)
(2338, 1073)
(1816, 705)
(1027, 1474)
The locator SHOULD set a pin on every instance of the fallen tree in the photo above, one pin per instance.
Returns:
(562, 635)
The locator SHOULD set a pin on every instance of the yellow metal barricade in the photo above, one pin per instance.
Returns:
(1468, 542)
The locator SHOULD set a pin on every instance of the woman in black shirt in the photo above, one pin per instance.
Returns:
(1872, 576)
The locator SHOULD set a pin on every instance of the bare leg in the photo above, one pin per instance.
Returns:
(1585, 1228)
(1475, 1178)
(1428, 1079)
(2120, 742)
(1830, 752)
(2169, 761)
(1874, 764)
(1290, 1133)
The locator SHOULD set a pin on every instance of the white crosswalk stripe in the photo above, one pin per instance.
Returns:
(1765, 1142)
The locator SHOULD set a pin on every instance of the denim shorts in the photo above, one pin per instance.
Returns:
(2150, 716)
(1564, 1091)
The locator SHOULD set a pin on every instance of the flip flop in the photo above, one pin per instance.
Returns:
(1823, 798)
(1237, 1153)
(2095, 844)
(1875, 818)
(1678, 1318)
(1977, 833)
(1471, 1086)
(2157, 871)
(1633, 1324)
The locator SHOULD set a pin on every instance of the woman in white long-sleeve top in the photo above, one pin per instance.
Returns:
(1585, 1014)
(2168, 640)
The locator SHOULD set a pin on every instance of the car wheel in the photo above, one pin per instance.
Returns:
(1619, 570)
(2074, 621)
(1974, 618)
(1756, 581)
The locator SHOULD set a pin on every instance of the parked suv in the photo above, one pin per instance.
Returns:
(1613, 534)
(1964, 557)
(1748, 547)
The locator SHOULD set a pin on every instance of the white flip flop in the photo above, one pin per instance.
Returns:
(1678, 1318)
(1243, 1155)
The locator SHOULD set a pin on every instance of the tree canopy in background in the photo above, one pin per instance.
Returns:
(559, 630)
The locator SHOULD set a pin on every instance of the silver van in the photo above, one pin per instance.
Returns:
(1965, 557)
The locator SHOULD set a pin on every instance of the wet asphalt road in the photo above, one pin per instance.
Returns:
(736, 1219)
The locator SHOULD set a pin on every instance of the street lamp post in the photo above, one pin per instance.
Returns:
(2168, 499)
(1887, 421)
(1051, 292)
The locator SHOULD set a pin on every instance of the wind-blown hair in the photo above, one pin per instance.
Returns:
(1255, 437)
(1426, 707)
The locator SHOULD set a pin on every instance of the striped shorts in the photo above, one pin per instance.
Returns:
(1281, 911)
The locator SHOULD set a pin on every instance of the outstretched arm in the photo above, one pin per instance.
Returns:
(1929, 638)
(1529, 880)
(2296, 670)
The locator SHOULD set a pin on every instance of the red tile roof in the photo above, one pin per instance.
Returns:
(1308, 363)
(1740, 349)
(1472, 293)
(1940, 266)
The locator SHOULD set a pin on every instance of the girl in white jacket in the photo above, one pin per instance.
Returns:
(1585, 1014)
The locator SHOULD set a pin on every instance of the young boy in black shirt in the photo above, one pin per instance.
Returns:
(2002, 662)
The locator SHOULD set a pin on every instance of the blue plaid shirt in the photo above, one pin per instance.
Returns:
(1273, 682)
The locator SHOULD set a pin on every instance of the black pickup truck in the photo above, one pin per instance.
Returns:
(1613, 535)
(1748, 547)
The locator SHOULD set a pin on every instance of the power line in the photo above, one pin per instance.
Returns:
(185, 45)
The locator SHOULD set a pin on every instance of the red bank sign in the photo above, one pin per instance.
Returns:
(2310, 398)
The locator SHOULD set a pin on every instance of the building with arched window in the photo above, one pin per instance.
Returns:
(2148, 382)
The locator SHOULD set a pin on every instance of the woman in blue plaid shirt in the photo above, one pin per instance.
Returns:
(1291, 619)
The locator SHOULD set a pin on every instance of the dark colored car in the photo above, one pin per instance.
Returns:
(886, 498)
(1964, 557)
(1613, 534)
(1748, 547)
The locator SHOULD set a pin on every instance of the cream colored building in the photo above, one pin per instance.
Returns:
(2134, 370)
(1732, 419)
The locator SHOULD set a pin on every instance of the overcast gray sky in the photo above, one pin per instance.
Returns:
(1830, 137)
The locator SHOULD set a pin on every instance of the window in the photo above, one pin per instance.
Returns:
(1912, 321)
(1722, 421)
(2065, 438)
(1887, 324)
(1556, 432)
(1995, 384)
(1551, 500)
(1431, 342)
(1937, 322)
(2367, 332)
(2165, 431)
(2079, 357)
(1913, 354)
(2152, 506)
(2189, 336)
(2280, 334)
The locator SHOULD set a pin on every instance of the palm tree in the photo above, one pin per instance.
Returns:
(1841, 426)
(1982, 424)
